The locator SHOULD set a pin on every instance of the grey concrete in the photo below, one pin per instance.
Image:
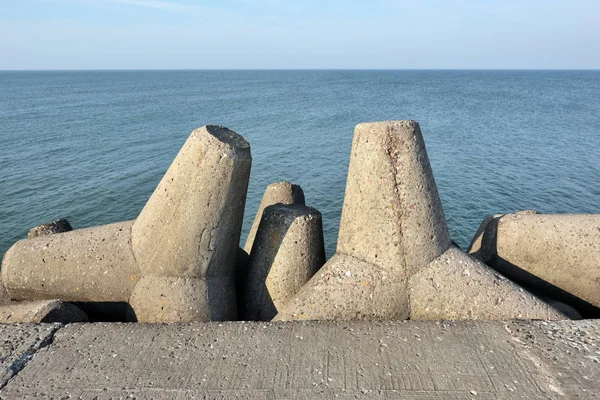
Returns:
(278, 192)
(393, 241)
(392, 226)
(37, 311)
(392, 214)
(346, 289)
(402, 360)
(563, 308)
(287, 251)
(456, 286)
(19, 343)
(175, 263)
(484, 237)
(186, 238)
(58, 226)
(551, 253)
(93, 264)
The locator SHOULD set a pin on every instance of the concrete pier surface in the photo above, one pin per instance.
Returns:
(303, 360)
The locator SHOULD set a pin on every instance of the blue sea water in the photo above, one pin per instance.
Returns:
(92, 146)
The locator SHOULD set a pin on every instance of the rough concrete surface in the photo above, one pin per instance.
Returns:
(287, 252)
(392, 226)
(278, 192)
(456, 286)
(172, 299)
(37, 311)
(18, 344)
(93, 264)
(174, 263)
(392, 214)
(347, 288)
(393, 239)
(482, 240)
(316, 360)
(562, 250)
(189, 230)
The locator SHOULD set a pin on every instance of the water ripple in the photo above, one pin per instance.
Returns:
(91, 146)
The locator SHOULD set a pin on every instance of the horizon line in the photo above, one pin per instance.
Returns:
(287, 69)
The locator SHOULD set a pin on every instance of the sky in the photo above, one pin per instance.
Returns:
(299, 34)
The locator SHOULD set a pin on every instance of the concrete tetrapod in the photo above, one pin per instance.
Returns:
(93, 264)
(174, 263)
(37, 311)
(275, 193)
(197, 209)
(287, 252)
(455, 286)
(278, 192)
(558, 254)
(392, 228)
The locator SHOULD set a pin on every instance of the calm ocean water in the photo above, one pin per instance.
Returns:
(92, 146)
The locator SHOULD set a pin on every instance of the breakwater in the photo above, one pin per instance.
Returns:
(180, 260)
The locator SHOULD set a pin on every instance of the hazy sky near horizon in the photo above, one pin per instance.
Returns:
(214, 34)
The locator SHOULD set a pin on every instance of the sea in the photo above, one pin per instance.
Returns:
(91, 146)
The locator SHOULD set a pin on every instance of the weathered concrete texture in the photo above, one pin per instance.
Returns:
(455, 286)
(37, 311)
(347, 288)
(174, 299)
(561, 250)
(18, 344)
(186, 237)
(403, 360)
(179, 254)
(287, 252)
(278, 192)
(394, 239)
(93, 264)
(40, 311)
(392, 226)
(484, 240)
(392, 215)
(561, 307)
(58, 226)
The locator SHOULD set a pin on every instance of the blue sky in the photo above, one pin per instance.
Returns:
(166, 34)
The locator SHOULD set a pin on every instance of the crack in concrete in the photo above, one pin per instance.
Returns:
(20, 363)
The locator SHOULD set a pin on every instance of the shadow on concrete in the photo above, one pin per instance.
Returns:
(255, 302)
(107, 311)
(540, 287)
(532, 283)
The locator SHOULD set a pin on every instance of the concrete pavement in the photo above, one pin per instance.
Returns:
(305, 360)
(18, 344)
